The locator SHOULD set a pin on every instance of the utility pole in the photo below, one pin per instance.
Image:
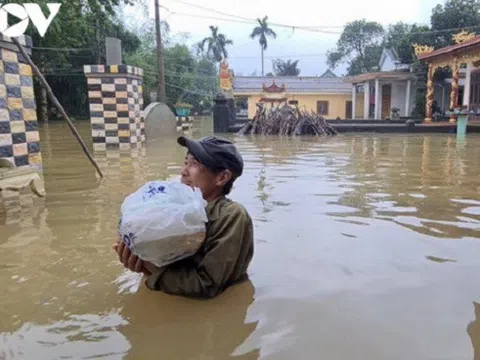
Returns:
(161, 94)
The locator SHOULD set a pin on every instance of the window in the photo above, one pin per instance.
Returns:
(322, 107)
(293, 102)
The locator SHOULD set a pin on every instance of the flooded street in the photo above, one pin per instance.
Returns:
(366, 248)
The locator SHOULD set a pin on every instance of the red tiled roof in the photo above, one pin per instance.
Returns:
(450, 49)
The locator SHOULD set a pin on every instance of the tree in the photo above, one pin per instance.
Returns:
(179, 72)
(216, 45)
(189, 78)
(207, 84)
(402, 36)
(285, 68)
(145, 55)
(161, 92)
(366, 63)
(359, 45)
(262, 31)
(455, 14)
(78, 24)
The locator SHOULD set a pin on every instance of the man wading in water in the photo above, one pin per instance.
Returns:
(212, 164)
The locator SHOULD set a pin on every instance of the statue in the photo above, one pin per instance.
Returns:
(226, 77)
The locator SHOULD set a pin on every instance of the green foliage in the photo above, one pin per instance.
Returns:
(262, 31)
(188, 79)
(285, 68)
(418, 111)
(402, 36)
(79, 24)
(455, 14)
(366, 63)
(216, 45)
(206, 83)
(180, 67)
(358, 43)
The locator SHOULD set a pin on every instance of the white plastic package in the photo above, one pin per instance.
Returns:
(163, 221)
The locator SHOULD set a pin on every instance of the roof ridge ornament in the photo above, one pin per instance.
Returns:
(422, 49)
(463, 36)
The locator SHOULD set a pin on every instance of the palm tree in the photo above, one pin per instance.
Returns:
(286, 68)
(217, 45)
(262, 31)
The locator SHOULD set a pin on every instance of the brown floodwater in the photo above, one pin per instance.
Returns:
(366, 248)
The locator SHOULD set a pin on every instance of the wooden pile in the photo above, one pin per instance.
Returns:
(286, 121)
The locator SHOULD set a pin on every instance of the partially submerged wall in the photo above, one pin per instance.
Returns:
(115, 94)
(19, 137)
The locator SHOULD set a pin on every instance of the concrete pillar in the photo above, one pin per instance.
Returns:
(378, 98)
(462, 121)
(407, 98)
(221, 114)
(366, 100)
(468, 81)
(113, 48)
(115, 94)
(354, 99)
(19, 137)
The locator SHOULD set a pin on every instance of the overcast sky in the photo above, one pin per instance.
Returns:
(307, 46)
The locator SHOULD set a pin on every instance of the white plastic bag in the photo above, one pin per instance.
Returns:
(163, 221)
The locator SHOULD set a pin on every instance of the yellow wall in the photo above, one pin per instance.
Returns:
(336, 106)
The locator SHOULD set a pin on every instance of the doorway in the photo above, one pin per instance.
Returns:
(475, 93)
(348, 110)
(386, 100)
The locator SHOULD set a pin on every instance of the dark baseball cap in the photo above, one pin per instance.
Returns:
(215, 153)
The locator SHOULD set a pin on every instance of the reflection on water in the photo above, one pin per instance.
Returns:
(366, 248)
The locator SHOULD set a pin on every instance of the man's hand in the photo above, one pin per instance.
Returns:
(131, 261)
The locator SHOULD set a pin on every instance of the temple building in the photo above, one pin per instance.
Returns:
(392, 89)
(328, 94)
(463, 59)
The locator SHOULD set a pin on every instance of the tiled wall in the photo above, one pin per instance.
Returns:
(115, 94)
(19, 138)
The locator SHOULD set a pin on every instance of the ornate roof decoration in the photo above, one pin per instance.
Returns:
(274, 88)
(463, 36)
(422, 49)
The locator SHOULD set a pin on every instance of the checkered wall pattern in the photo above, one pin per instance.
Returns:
(19, 136)
(115, 94)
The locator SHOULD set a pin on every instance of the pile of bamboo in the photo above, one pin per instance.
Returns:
(286, 121)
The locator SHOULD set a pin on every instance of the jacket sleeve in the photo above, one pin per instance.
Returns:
(207, 279)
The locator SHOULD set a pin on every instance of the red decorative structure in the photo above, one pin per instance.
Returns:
(274, 93)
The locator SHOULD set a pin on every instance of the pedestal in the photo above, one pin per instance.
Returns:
(115, 94)
(221, 114)
(232, 113)
(462, 121)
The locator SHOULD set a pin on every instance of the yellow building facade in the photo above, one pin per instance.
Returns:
(326, 95)
(338, 105)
